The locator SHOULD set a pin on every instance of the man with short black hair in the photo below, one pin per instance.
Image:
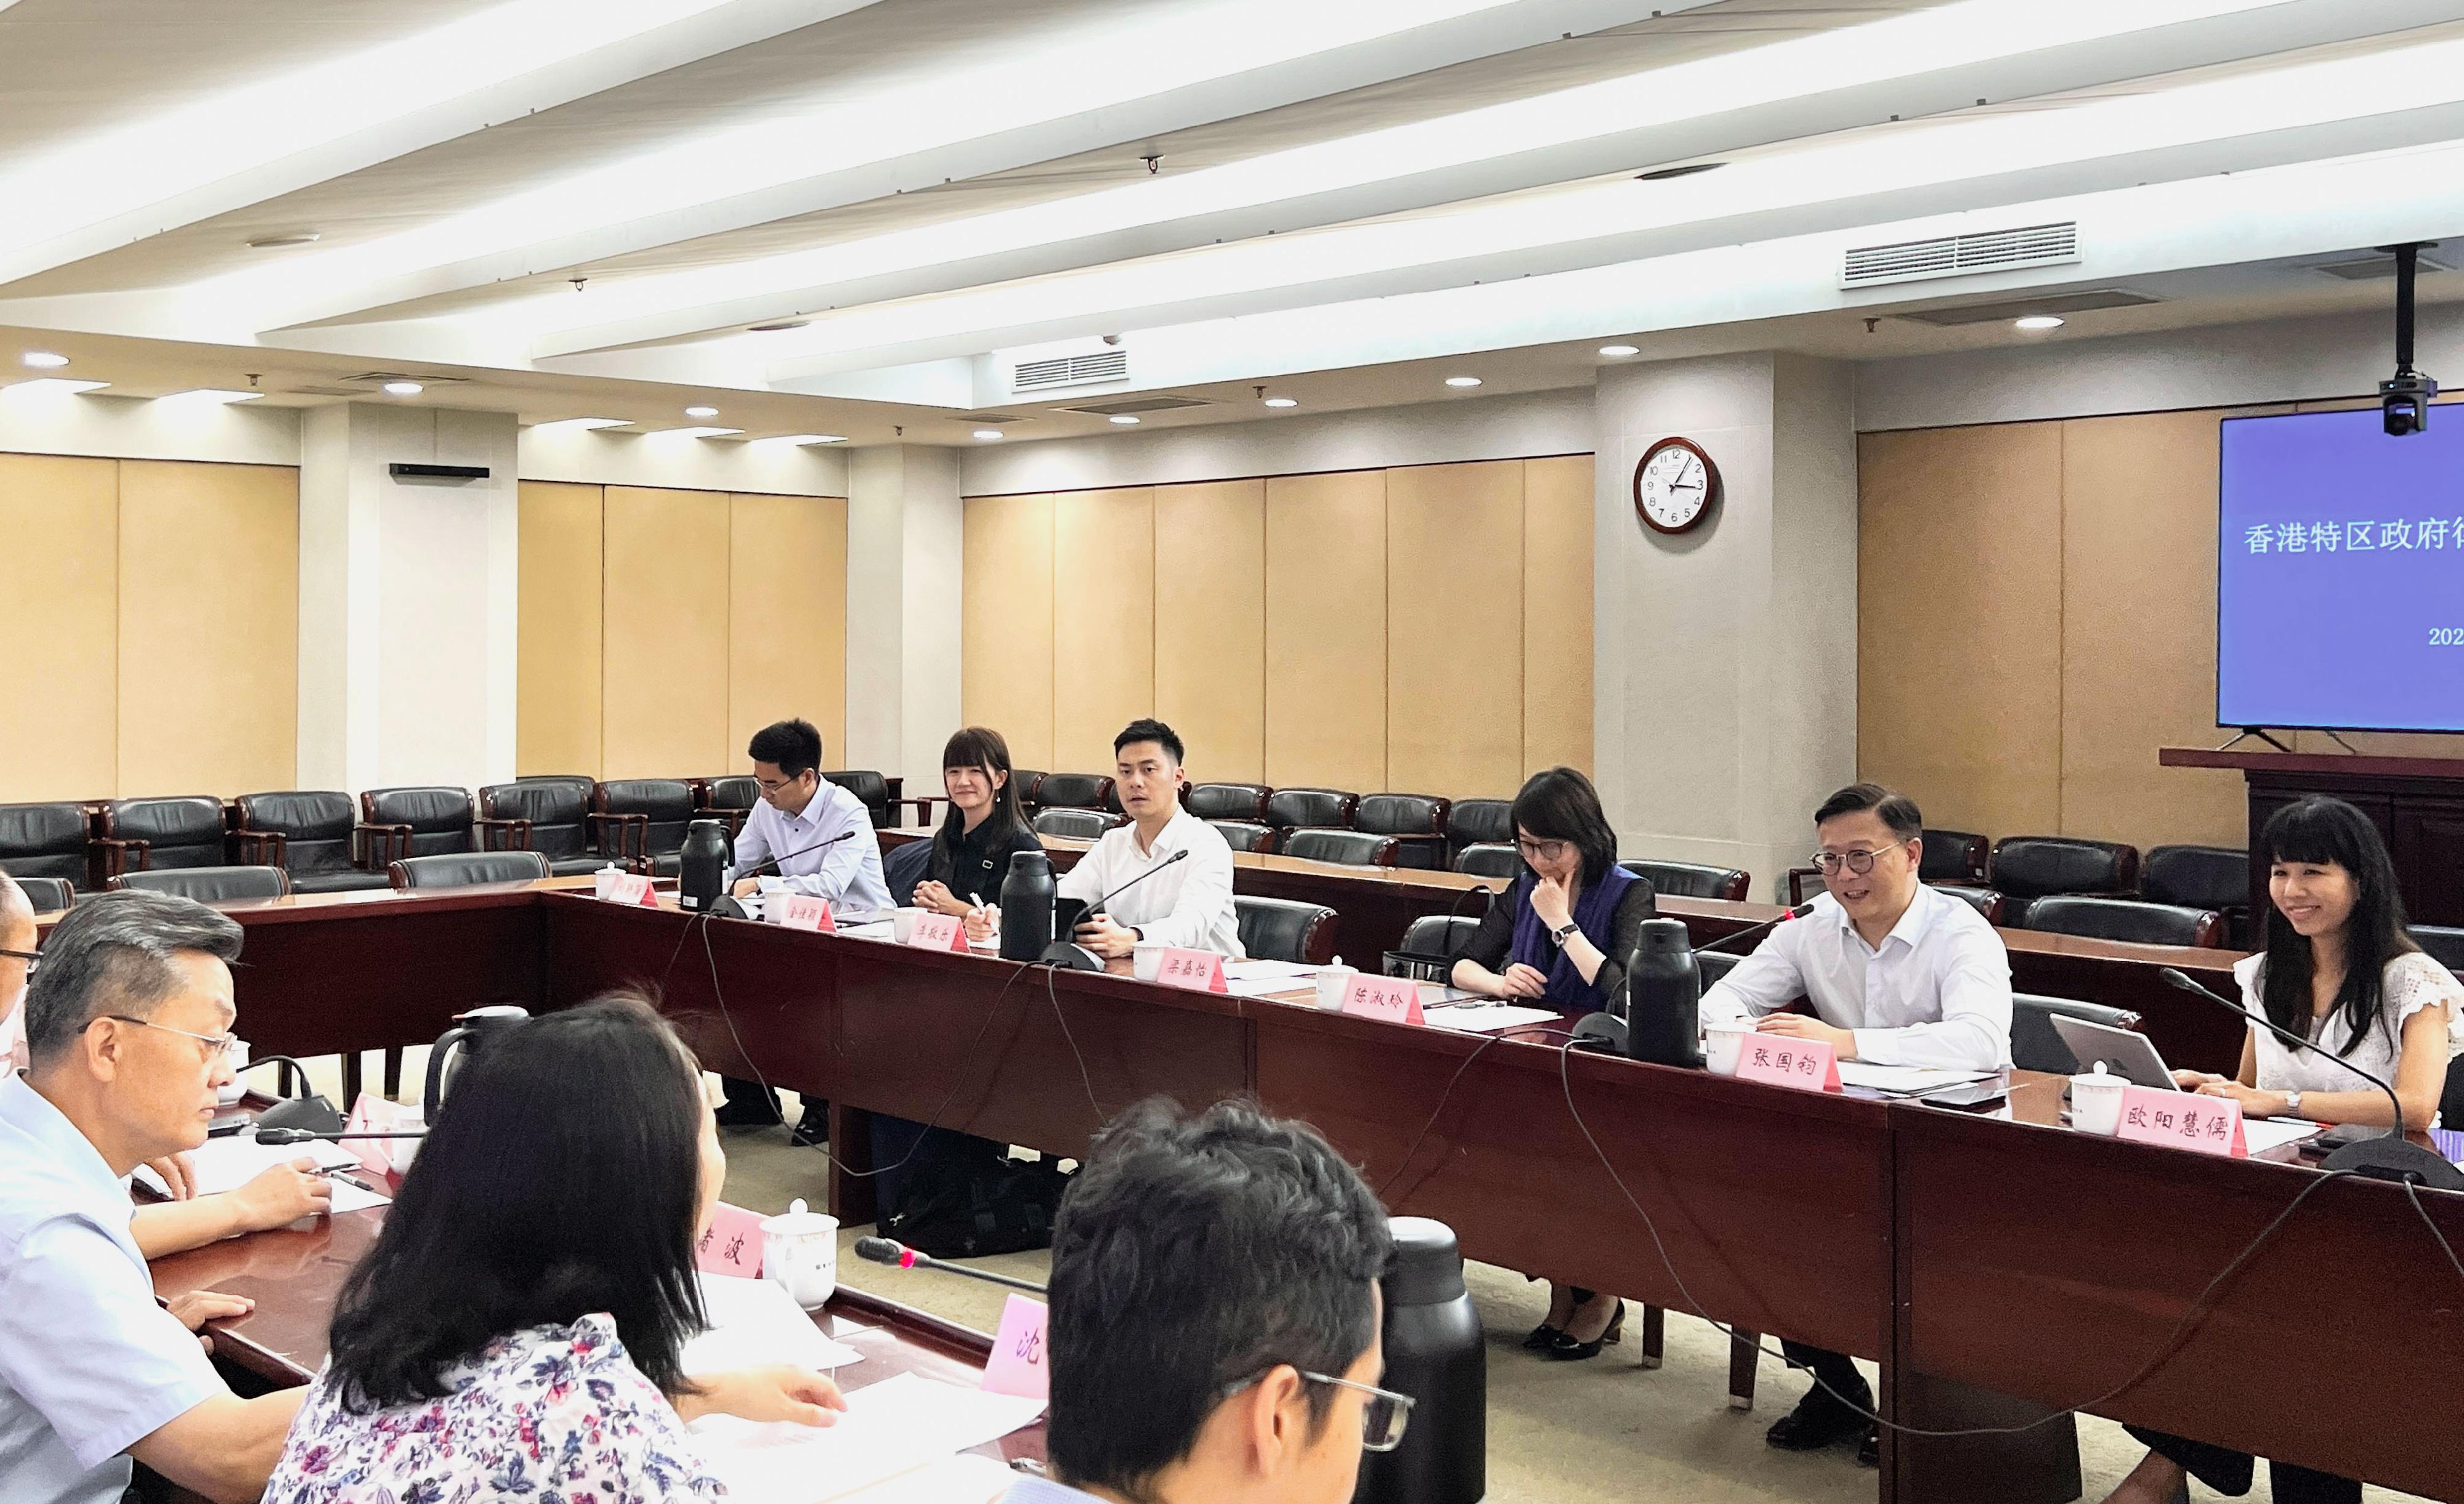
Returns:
(128, 1024)
(1899, 973)
(1189, 905)
(1216, 1309)
(798, 810)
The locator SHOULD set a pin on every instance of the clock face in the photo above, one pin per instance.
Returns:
(1674, 486)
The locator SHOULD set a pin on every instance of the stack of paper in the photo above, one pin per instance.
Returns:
(899, 1426)
(1903, 1079)
(1488, 1018)
(752, 1322)
(228, 1164)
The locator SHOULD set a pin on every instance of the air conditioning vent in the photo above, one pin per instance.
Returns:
(380, 377)
(1138, 405)
(1961, 256)
(1070, 370)
(2373, 267)
(2004, 309)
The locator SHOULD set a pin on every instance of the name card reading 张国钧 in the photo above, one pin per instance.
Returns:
(1808, 1065)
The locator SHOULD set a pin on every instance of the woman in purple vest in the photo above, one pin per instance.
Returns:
(1559, 939)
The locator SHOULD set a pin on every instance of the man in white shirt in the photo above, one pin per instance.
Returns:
(1188, 902)
(1899, 973)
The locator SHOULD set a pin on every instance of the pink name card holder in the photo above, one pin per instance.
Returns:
(1806, 1065)
(2183, 1121)
(800, 911)
(1396, 999)
(937, 932)
(631, 888)
(1198, 970)
(1017, 1364)
(731, 1243)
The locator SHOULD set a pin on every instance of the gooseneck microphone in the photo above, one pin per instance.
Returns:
(727, 907)
(2390, 1157)
(1070, 955)
(1097, 906)
(898, 1255)
(280, 1136)
(1799, 911)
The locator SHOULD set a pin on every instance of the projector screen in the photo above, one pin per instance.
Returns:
(2339, 574)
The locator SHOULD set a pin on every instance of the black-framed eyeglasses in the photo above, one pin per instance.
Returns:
(1541, 850)
(1860, 862)
(1382, 1418)
(216, 1044)
(31, 958)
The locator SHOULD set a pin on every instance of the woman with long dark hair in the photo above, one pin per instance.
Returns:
(984, 827)
(2339, 969)
(520, 1325)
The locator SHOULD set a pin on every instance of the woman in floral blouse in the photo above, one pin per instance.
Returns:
(518, 1330)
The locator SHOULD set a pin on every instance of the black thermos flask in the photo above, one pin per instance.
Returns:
(1026, 907)
(1434, 1353)
(702, 880)
(1663, 1012)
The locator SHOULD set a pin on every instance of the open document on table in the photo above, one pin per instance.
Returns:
(901, 1426)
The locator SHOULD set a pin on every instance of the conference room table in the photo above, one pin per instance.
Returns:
(1994, 1267)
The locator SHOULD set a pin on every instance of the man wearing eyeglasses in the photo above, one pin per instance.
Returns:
(1899, 973)
(1239, 1367)
(128, 1022)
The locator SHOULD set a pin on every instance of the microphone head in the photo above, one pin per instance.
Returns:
(881, 1250)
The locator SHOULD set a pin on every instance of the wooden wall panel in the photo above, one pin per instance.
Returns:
(1005, 645)
(1454, 656)
(786, 605)
(1959, 632)
(666, 643)
(1210, 663)
(1103, 622)
(209, 627)
(1326, 630)
(1557, 614)
(557, 679)
(59, 608)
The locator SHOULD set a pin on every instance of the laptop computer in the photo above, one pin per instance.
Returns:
(2132, 1057)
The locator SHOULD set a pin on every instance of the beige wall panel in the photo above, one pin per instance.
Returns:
(786, 605)
(1103, 622)
(666, 633)
(2138, 621)
(58, 604)
(1005, 650)
(1958, 622)
(1454, 664)
(1556, 616)
(1210, 664)
(209, 627)
(1326, 630)
(558, 684)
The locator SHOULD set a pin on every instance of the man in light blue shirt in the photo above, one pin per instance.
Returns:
(129, 1023)
(799, 810)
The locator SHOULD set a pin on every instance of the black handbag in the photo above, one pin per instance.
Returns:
(965, 1197)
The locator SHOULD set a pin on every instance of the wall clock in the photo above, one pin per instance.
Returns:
(1675, 486)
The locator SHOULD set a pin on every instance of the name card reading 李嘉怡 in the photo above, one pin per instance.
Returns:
(1016, 1363)
(800, 911)
(937, 932)
(1396, 999)
(731, 1243)
(2184, 1120)
(1808, 1066)
(1198, 970)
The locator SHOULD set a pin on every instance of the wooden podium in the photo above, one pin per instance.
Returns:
(2416, 802)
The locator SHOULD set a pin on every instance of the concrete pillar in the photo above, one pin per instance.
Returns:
(906, 557)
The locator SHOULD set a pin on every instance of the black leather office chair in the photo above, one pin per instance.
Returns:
(1245, 835)
(1353, 848)
(1692, 878)
(2444, 945)
(2025, 868)
(161, 834)
(315, 836)
(423, 821)
(1480, 822)
(211, 884)
(871, 788)
(729, 797)
(1417, 823)
(1073, 790)
(2125, 919)
(462, 869)
(1490, 860)
(1446, 935)
(643, 822)
(1029, 783)
(1070, 822)
(1712, 965)
(2034, 1046)
(44, 841)
(1244, 802)
(548, 815)
(1984, 901)
(1952, 856)
(1282, 930)
(1316, 809)
(2202, 877)
(48, 895)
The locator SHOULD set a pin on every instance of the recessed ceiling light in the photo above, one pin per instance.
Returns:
(46, 360)
(51, 385)
(692, 433)
(1282, 401)
(1618, 352)
(1126, 420)
(701, 412)
(296, 237)
(1462, 381)
(2036, 321)
(404, 389)
(584, 422)
(988, 435)
(804, 438)
(782, 325)
(212, 394)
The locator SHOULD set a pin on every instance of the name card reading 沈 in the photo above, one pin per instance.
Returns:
(1808, 1065)
(937, 932)
(731, 1243)
(1198, 970)
(800, 911)
(2184, 1120)
(1396, 999)
(1016, 1364)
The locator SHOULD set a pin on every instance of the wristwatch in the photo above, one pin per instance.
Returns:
(2293, 1104)
(1559, 935)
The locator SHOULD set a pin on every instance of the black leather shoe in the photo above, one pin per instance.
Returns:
(812, 1130)
(1817, 1421)
(753, 1114)
(1566, 1350)
(1542, 1338)
(1869, 1449)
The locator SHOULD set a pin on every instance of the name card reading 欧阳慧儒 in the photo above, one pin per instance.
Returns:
(1808, 1066)
(2183, 1120)
(1396, 999)
(1198, 970)
(731, 1243)
(1016, 1364)
(937, 932)
(800, 911)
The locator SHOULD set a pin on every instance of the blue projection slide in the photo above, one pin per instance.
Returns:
(2339, 574)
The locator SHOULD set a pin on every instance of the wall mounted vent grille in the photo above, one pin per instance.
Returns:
(1070, 370)
(1961, 256)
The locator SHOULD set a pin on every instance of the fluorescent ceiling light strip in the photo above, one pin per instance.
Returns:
(162, 154)
(689, 433)
(50, 387)
(1109, 58)
(581, 424)
(1853, 164)
(1948, 36)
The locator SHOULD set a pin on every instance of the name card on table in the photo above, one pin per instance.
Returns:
(1776, 1060)
(374, 1114)
(2183, 1120)
(1198, 970)
(800, 911)
(1396, 999)
(1017, 1364)
(630, 888)
(731, 1243)
(937, 932)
